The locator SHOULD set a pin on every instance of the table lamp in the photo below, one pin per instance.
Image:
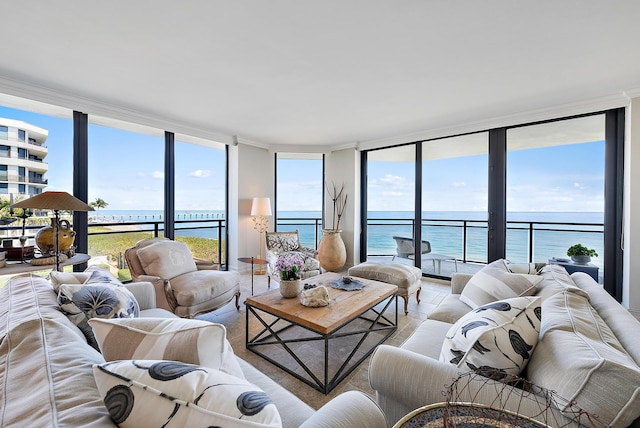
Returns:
(55, 201)
(260, 208)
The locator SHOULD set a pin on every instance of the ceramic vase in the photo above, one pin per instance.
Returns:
(290, 289)
(332, 253)
(581, 260)
(46, 237)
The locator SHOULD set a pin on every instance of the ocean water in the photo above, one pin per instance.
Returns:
(445, 231)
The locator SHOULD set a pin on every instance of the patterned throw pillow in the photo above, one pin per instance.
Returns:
(59, 278)
(495, 282)
(495, 340)
(202, 343)
(281, 242)
(153, 393)
(81, 302)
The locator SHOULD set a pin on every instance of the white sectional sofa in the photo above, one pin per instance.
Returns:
(47, 380)
(588, 350)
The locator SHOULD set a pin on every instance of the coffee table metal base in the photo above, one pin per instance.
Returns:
(273, 334)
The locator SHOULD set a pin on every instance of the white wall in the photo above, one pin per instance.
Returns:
(631, 273)
(254, 174)
(343, 166)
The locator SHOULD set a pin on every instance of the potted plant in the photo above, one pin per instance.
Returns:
(581, 254)
(289, 266)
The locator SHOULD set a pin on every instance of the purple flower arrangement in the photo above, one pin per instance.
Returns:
(289, 265)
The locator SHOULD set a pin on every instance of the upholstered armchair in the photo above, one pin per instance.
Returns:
(279, 243)
(183, 285)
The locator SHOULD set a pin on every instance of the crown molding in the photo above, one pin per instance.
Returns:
(582, 107)
(71, 101)
(632, 93)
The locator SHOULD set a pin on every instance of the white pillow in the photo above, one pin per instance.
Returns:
(190, 341)
(529, 268)
(166, 259)
(495, 340)
(495, 282)
(152, 393)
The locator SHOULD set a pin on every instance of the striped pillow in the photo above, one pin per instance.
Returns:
(495, 282)
(190, 341)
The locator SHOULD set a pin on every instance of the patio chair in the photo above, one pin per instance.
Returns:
(280, 243)
(184, 286)
(405, 249)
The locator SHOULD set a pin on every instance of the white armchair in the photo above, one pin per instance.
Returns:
(279, 243)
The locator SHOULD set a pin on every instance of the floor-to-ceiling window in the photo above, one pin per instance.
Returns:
(555, 188)
(454, 203)
(390, 190)
(200, 196)
(299, 190)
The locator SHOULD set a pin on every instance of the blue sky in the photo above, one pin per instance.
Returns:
(126, 170)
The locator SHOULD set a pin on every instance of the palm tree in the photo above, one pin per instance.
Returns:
(97, 204)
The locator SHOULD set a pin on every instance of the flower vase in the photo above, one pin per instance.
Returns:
(291, 288)
(332, 253)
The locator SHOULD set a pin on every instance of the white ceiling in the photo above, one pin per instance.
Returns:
(323, 73)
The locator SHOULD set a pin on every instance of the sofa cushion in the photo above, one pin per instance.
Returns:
(450, 309)
(166, 259)
(190, 341)
(496, 339)
(494, 282)
(580, 357)
(81, 302)
(152, 393)
(555, 279)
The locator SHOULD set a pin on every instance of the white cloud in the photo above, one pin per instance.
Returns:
(458, 184)
(579, 186)
(200, 173)
(157, 174)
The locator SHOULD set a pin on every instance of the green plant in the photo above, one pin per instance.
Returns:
(581, 250)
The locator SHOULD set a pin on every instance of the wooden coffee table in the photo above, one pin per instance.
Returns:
(334, 339)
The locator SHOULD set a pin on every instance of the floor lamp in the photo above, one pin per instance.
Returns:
(260, 208)
(56, 201)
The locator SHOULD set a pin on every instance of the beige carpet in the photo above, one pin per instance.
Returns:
(432, 293)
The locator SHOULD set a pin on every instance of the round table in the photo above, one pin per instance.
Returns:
(253, 261)
(466, 415)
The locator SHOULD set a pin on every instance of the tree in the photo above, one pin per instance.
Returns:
(98, 203)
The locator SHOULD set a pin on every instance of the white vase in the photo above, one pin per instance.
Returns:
(581, 260)
(332, 252)
(290, 289)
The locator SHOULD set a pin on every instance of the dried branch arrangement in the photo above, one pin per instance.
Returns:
(339, 198)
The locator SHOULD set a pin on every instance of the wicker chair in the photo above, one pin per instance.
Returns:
(185, 286)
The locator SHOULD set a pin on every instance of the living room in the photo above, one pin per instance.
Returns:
(335, 79)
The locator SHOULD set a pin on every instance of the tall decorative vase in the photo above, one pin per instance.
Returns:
(332, 253)
(290, 289)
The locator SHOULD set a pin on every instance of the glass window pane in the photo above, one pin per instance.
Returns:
(390, 199)
(454, 203)
(299, 190)
(555, 188)
(200, 182)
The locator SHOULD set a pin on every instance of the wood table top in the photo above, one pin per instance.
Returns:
(343, 306)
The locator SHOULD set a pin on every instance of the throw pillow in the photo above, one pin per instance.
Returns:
(59, 278)
(152, 393)
(190, 341)
(166, 259)
(580, 358)
(280, 242)
(495, 340)
(529, 268)
(495, 282)
(82, 302)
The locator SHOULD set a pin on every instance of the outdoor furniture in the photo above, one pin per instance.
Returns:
(405, 249)
(183, 285)
(281, 243)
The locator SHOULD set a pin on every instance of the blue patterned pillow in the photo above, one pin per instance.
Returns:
(154, 393)
(497, 339)
(81, 302)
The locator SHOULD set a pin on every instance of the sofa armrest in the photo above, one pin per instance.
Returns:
(414, 380)
(164, 294)
(347, 410)
(144, 293)
(459, 281)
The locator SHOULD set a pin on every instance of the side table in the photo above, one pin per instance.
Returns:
(571, 267)
(253, 261)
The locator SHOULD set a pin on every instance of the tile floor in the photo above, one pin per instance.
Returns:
(432, 293)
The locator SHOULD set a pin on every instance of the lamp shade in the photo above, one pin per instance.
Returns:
(261, 206)
(53, 201)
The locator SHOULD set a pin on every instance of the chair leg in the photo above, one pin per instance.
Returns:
(238, 301)
(268, 281)
(418, 294)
